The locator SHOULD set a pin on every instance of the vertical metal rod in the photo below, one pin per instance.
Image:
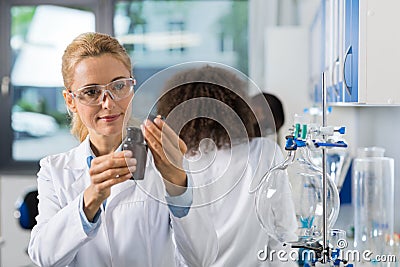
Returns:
(324, 177)
(5, 85)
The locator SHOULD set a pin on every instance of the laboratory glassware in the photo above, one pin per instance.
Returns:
(373, 200)
(338, 164)
(306, 195)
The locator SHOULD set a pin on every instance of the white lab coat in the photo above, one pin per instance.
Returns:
(223, 177)
(136, 228)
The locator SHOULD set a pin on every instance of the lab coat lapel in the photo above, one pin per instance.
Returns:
(81, 182)
(78, 167)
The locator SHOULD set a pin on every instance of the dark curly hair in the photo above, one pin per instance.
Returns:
(211, 101)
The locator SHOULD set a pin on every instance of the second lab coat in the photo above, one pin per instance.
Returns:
(223, 177)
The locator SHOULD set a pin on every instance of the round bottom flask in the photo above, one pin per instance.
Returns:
(304, 197)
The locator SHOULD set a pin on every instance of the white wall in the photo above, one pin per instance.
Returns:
(287, 74)
(270, 13)
(16, 239)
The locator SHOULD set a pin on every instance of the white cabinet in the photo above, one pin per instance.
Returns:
(360, 44)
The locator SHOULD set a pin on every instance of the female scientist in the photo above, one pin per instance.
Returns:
(224, 156)
(90, 212)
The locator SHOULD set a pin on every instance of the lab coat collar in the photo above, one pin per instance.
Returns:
(77, 159)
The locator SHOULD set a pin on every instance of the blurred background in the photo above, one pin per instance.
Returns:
(282, 45)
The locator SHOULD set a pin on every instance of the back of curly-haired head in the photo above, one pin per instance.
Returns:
(208, 90)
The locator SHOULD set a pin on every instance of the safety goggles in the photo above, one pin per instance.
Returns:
(93, 95)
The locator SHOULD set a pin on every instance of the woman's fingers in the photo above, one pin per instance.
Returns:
(112, 166)
(170, 135)
(112, 160)
(168, 151)
(163, 133)
(163, 141)
(164, 152)
(113, 181)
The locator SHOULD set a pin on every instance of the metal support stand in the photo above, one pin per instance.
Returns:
(315, 137)
(325, 248)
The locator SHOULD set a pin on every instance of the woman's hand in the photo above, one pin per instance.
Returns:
(168, 151)
(106, 171)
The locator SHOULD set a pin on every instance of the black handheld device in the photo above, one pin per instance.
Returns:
(134, 142)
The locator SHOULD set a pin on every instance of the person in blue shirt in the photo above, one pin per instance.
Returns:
(90, 212)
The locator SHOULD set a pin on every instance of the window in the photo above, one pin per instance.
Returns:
(34, 121)
(160, 34)
(157, 34)
(38, 115)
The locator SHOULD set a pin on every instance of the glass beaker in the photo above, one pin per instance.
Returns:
(373, 200)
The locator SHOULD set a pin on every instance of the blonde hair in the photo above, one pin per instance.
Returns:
(86, 45)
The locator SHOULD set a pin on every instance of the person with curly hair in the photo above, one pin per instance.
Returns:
(208, 106)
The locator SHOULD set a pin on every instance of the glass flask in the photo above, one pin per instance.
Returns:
(306, 195)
